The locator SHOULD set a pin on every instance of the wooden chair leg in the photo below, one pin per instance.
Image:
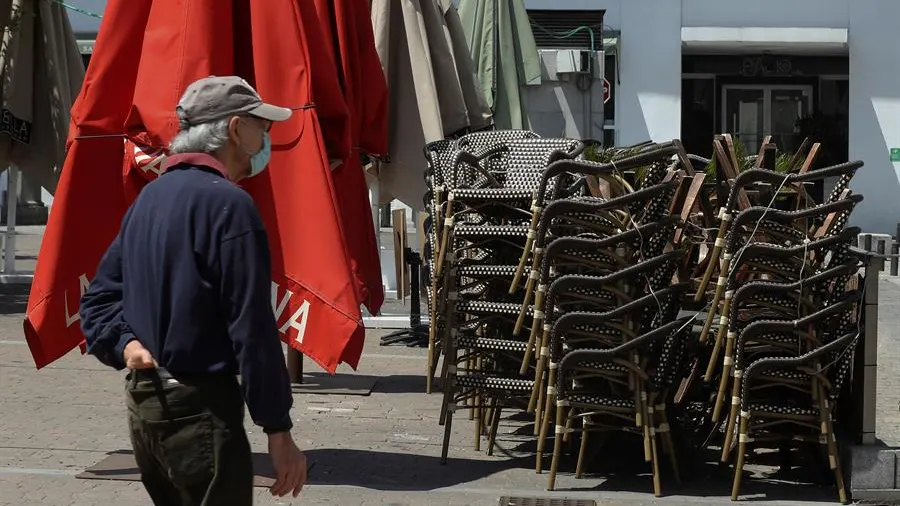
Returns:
(726, 365)
(657, 483)
(432, 341)
(541, 405)
(743, 439)
(447, 428)
(668, 444)
(557, 444)
(495, 425)
(834, 458)
(733, 415)
(582, 449)
(542, 359)
(567, 434)
(545, 424)
(473, 400)
(479, 426)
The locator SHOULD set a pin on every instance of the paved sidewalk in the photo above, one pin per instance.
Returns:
(380, 449)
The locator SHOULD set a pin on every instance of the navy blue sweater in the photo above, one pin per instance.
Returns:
(189, 277)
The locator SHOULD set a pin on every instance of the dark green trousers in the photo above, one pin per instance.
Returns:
(189, 440)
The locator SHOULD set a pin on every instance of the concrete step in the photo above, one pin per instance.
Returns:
(875, 474)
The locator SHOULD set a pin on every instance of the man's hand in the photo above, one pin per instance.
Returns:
(289, 463)
(137, 357)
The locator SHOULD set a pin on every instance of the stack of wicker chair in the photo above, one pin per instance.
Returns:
(569, 289)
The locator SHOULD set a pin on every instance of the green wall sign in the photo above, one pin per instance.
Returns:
(895, 154)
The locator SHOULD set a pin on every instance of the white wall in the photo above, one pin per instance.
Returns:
(875, 111)
(648, 101)
(768, 13)
(648, 97)
(558, 108)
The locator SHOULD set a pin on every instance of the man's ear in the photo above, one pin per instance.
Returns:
(233, 128)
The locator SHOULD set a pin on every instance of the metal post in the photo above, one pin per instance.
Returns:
(895, 258)
(376, 212)
(895, 252)
(12, 202)
(295, 366)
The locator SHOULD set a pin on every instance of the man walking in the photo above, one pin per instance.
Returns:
(182, 299)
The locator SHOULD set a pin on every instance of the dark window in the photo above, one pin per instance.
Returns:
(609, 137)
(567, 29)
(698, 115)
(609, 70)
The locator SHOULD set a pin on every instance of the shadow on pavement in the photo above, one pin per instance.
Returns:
(346, 467)
(621, 465)
(398, 471)
(13, 298)
(400, 383)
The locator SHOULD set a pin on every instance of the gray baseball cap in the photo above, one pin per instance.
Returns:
(217, 97)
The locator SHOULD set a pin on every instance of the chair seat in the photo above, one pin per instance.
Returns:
(589, 399)
(791, 374)
(479, 231)
(506, 195)
(776, 408)
(496, 383)
(603, 366)
(477, 271)
(482, 343)
(489, 307)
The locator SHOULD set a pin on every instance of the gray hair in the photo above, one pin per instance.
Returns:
(203, 138)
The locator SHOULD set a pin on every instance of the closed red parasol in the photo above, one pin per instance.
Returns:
(89, 201)
(313, 293)
(347, 27)
(296, 195)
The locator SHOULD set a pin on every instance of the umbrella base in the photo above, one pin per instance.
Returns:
(28, 214)
(416, 335)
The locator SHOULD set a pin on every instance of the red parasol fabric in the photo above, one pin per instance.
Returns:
(296, 195)
(187, 55)
(331, 108)
(313, 293)
(88, 200)
(347, 27)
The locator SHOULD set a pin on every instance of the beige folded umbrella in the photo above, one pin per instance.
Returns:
(41, 71)
(434, 91)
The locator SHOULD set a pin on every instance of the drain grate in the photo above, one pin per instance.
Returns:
(542, 501)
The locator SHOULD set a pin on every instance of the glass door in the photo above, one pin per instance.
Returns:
(787, 105)
(745, 115)
(751, 112)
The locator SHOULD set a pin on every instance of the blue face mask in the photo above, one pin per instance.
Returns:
(260, 159)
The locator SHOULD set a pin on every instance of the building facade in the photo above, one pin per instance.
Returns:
(691, 68)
